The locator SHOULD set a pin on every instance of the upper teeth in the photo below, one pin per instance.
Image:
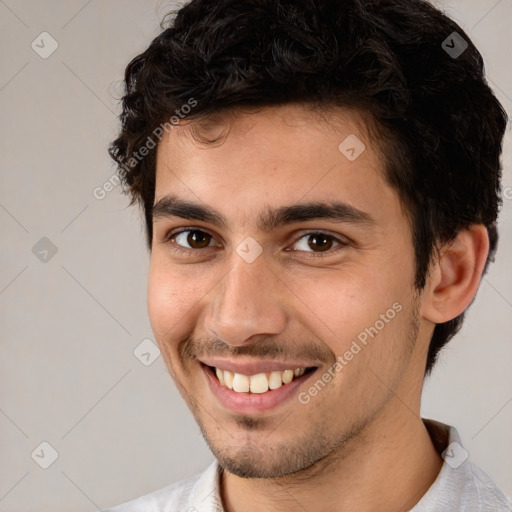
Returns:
(258, 383)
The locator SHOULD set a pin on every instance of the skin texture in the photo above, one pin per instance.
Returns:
(363, 431)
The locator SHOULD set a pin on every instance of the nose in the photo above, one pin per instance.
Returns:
(248, 301)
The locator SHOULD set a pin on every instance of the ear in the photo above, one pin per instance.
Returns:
(454, 278)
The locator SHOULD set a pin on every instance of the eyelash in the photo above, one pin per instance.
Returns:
(168, 239)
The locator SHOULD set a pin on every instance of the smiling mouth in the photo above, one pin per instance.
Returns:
(260, 382)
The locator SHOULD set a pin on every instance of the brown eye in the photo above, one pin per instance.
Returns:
(320, 241)
(316, 242)
(198, 239)
(191, 239)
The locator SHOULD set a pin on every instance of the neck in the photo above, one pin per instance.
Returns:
(388, 466)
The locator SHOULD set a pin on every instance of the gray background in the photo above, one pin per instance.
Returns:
(70, 324)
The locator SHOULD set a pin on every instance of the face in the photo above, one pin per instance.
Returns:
(293, 256)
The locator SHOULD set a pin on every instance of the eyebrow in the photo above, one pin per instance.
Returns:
(269, 219)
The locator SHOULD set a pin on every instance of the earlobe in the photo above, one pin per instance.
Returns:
(454, 278)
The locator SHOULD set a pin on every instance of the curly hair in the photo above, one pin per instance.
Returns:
(440, 126)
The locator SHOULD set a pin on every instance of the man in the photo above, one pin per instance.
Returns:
(320, 182)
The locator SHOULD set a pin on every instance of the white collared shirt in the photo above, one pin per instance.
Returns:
(459, 487)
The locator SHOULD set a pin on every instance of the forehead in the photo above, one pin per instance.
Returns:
(276, 155)
(289, 131)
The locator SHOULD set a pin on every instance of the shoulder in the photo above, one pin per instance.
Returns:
(486, 493)
(461, 485)
(180, 495)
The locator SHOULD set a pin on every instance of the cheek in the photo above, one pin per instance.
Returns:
(171, 301)
(342, 302)
(364, 321)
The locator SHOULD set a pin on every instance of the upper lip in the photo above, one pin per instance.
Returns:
(254, 366)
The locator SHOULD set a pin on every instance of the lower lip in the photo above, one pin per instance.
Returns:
(253, 403)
